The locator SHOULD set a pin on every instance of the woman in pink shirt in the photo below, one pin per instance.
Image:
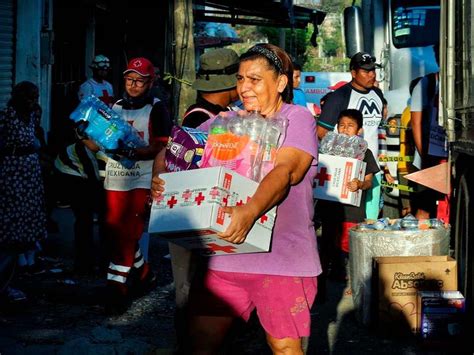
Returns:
(280, 285)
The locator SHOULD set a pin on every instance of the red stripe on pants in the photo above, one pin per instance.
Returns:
(125, 218)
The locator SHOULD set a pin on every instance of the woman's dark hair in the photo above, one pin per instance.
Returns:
(355, 115)
(278, 61)
(22, 94)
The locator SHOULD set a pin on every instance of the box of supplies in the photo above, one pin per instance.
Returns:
(400, 279)
(440, 315)
(333, 175)
(365, 245)
(189, 212)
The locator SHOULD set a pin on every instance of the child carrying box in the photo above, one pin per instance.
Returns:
(337, 218)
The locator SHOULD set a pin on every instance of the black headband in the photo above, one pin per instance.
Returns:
(228, 70)
(272, 57)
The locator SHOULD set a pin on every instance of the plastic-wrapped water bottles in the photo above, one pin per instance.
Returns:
(245, 144)
(343, 145)
(327, 142)
(105, 126)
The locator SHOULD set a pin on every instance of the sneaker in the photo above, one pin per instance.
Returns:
(14, 295)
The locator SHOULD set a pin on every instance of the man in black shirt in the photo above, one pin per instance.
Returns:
(216, 85)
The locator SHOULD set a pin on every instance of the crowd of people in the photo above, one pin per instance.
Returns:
(280, 286)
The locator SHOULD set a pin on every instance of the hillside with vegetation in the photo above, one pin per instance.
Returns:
(328, 55)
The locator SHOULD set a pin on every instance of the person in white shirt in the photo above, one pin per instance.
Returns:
(97, 85)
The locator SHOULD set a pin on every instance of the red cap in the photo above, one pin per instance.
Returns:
(337, 85)
(141, 66)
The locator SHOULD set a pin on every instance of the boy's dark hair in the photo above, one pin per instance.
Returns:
(296, 66)
(356, 115)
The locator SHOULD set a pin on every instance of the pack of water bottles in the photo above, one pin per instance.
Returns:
(343, 145)
(409, 222)
(246, 144)
(105, 126)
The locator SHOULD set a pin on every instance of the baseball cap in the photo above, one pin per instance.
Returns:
(217, 70)
(363, 60)
(100, 62)
(141, 66)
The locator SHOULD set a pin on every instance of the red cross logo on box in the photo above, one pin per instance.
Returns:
(187, 195)
(172, 201)
(199, 198)
(323, 176)
(263, 219)
(214, 192)
(229, 249)
(159, 199)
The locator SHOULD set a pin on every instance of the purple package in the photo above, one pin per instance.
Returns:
(184, 149)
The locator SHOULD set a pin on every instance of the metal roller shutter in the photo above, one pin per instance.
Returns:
(7, 24)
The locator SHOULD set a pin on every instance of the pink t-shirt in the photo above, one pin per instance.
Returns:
(294, 249)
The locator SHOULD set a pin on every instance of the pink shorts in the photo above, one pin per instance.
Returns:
(282, 302)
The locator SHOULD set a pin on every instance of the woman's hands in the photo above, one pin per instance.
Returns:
(242, 220)
(157, 186)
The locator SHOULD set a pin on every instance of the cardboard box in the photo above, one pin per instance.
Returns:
(440, 315)
(333, 174)
(189, 212)
(399, 280)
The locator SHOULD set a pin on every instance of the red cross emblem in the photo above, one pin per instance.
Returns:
(199, 198)
(187, 195)
(172, 201)
(323, 176)
(106, 98)
(263, 219)
(229, 249)
(214, 192)
(239, 203)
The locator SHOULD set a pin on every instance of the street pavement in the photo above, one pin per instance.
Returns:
(62, 314)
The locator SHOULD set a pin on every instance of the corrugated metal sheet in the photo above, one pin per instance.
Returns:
(7, 25)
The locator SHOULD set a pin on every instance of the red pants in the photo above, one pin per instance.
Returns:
(125, 219)
(338, 234)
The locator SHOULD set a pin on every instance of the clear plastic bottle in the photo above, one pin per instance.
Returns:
(270, 146)
(219, 125)
(340, 144)
(381, 223)
(236, 126)
(255, 125)
(327, 143)
(436, 223)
